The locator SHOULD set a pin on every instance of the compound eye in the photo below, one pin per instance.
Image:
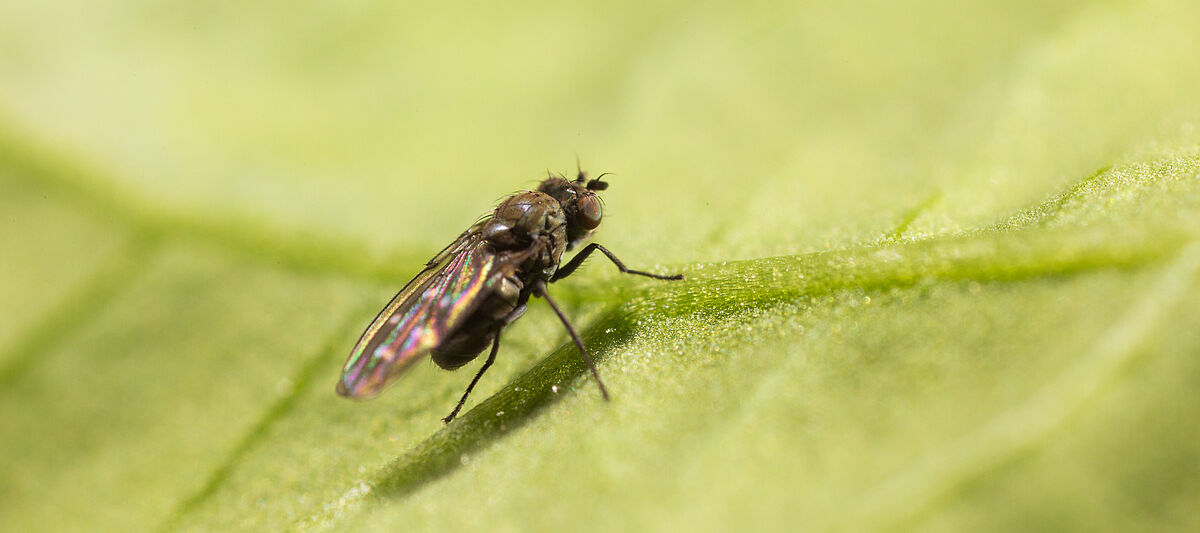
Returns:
(588, 213)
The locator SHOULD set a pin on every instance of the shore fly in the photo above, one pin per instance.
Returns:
(458, 305)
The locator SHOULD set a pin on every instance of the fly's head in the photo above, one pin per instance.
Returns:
(580, 203)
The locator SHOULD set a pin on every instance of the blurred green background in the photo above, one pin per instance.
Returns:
(943, 265)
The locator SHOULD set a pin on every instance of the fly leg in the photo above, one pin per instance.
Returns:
(515, 314)
(574, 263)
(491, 358)
(540, 289)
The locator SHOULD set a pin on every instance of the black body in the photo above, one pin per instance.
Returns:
(515, 252)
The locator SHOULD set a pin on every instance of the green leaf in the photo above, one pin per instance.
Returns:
(942, 266)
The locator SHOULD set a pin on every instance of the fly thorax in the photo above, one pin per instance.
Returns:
(517, 221)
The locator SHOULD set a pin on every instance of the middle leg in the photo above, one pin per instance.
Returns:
(491, 358)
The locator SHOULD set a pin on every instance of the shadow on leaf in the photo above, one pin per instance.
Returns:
(511, 408)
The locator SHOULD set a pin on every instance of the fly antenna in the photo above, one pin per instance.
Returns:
(596, 185)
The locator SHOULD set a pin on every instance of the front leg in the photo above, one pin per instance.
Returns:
(574, 263)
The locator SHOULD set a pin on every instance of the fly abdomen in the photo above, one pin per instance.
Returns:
(464, 346)
(494, 312)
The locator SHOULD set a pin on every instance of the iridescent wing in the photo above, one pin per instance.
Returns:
(420, 316)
